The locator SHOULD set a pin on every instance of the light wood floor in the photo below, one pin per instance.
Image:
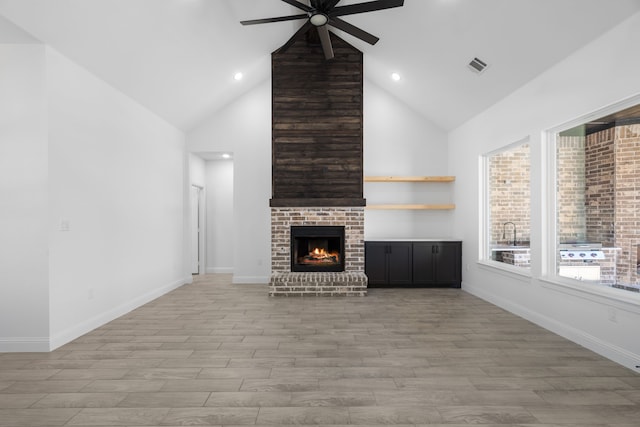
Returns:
(212, 353)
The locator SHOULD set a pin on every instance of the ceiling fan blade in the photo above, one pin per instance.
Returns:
(353, 30)
(330, 4)
(325, 40)
(303, 29)
(323, 5)
(299, 5)
(369, 6)
(277, 19)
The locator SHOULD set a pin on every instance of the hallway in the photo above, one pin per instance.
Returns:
(212, 353)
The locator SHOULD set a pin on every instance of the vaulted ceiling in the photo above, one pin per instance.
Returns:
(178, 57)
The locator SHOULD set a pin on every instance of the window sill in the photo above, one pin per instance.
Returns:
(624, 300)
(519, 273)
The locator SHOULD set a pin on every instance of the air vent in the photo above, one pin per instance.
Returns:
(477, 65)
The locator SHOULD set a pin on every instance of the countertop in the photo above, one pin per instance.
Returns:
(411, 239)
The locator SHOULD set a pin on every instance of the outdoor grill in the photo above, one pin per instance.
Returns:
(581, 251)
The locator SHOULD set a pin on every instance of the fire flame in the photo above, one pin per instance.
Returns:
(320, 255)
(319, 252)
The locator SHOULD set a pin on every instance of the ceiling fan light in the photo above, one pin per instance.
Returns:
(319, 19)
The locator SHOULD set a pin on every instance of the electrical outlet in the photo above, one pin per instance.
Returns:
(65, 225)
(90, 294)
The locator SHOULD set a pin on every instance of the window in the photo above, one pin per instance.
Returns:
(597, 208)
(508, 205)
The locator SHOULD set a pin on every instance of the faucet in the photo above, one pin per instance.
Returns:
(504, 226)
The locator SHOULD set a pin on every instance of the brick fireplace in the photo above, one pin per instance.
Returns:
(317, 168)
(350, 282)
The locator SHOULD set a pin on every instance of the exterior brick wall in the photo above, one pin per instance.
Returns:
(571, 186)
(510, 197)
(627, 202)
(600, 170)
(351, 282)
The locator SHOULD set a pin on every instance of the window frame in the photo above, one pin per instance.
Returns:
(550, 275)
(484, 250)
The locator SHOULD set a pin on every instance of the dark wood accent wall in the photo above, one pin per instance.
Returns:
(317, 125)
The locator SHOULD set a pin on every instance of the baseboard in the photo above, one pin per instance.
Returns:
(262, 280)
(88, 325)
(595, 344)
(219, 270)
(24, 345)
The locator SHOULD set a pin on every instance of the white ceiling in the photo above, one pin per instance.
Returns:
(178, 57)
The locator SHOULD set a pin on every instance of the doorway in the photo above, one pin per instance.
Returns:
(196, 229)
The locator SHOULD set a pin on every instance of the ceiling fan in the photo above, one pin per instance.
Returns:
(324, 13)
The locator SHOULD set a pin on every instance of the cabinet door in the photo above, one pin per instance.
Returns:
(423, 263)
(448, 269)
(399, 263)
(375, 262)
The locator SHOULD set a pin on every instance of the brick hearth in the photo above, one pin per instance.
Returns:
(351, 282)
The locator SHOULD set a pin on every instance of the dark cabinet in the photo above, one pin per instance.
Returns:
(437, 263)
(375, 262)
(388, 263)
(414, 263)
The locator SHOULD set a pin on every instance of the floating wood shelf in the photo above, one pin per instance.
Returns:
(418, 179)
(413, 207)
(409, 178)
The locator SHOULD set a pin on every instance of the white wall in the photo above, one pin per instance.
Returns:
(220, 219)
(24, 264)
(400, 142)
(197, 170)
(116, 177)
(10, 33)
(77, 154)
(602, 73)
(244, 129)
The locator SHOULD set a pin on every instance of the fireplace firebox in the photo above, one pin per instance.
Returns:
(317, 248)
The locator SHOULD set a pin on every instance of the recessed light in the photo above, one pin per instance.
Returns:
(226, 156)
(395, 77)
(237, 76)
